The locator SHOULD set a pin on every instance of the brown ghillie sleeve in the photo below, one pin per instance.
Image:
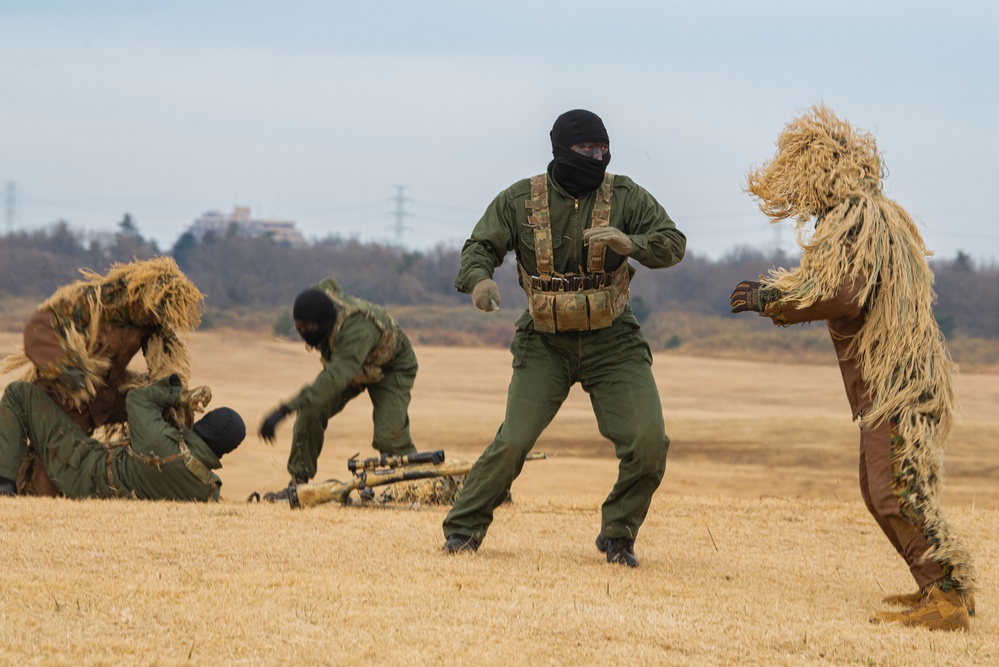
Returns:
(41, 344)
(844, 303)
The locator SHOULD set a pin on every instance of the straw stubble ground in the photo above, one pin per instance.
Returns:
(757, 549)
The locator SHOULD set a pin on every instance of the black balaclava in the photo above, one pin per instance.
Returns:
(313, 305)
(578, 174)
(222, 429)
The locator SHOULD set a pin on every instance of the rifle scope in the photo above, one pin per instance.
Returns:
(435, 457)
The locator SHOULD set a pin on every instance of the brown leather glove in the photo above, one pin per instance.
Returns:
(747, 297)
(615, 239)
(486, 296)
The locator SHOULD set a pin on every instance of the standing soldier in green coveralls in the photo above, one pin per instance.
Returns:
(161, 460)
(361, 348)
(572, 230)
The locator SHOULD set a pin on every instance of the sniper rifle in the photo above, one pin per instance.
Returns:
(377, 471)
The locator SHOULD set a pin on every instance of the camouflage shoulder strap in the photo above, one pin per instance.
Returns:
(347, 306)
(601, 218)
(541, 222)
(371, 371)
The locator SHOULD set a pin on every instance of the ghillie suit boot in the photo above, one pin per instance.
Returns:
(912, 600)
(938, 610)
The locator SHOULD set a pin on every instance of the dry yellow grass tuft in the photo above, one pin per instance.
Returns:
(757, 550)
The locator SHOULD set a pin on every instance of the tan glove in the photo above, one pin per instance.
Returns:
(196, 398)
(615, 239)
(485, 295)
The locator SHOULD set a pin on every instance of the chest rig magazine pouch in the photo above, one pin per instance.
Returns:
(572, 302)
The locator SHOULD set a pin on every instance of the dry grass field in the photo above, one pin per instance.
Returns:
(757, 550)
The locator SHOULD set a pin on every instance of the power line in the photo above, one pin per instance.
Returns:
(400, 212)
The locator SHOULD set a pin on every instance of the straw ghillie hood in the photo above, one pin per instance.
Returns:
(151, 294)
(828, 171)
(821, 162)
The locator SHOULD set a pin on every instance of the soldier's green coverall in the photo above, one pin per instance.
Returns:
(155, 465)
(612, 364)
(344, 355)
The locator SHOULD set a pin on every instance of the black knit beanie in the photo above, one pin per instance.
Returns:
(222, 429)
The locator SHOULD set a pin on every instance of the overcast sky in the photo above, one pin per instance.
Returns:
(317, 111)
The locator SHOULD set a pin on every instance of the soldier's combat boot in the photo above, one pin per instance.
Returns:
(912, 600)
(284, 494)
(936, 611)
(460, 544)
(7, 487)
(619, 550)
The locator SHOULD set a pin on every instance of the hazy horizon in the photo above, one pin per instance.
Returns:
(316, 112)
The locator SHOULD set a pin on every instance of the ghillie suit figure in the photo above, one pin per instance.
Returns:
(78, 344)
(864, 271)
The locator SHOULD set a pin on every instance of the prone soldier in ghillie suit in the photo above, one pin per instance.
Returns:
(162, 459)
(573, 230)
(78, 344)
(362, 349)
(864, 271)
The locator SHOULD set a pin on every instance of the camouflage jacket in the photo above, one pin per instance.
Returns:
(163, 461)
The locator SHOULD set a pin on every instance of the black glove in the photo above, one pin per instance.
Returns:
(270, 424)
(747, 297)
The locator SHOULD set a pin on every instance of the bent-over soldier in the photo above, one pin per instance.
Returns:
(362, 349)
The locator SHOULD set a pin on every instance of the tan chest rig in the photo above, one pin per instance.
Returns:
(371, 371)
(572, 301)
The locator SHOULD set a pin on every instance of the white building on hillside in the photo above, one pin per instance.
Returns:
(219, 223)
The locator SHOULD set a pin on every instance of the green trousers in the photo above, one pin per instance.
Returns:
(613, 365)
(76, 463)
(390, 414)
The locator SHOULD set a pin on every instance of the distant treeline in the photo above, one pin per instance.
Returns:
(242, 275)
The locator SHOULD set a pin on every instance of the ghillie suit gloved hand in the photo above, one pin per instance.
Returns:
(830, 172)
